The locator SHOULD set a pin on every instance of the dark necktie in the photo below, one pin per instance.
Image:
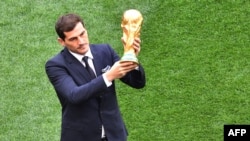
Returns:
(89, 69)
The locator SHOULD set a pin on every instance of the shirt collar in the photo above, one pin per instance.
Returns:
(79, 56)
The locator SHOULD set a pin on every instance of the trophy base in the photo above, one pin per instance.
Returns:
(129, 57)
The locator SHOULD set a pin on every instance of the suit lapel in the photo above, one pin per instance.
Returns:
(75, 65)
(97, 60)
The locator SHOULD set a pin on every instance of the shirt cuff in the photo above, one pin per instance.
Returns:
(137, 68)
(107, 82)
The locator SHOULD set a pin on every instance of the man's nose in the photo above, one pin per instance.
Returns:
(80, 40)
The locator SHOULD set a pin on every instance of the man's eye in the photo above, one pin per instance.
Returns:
(72, 39)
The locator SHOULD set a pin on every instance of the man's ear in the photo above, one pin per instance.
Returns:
(61, 41)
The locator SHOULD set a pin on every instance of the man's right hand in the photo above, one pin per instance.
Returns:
(120, 69)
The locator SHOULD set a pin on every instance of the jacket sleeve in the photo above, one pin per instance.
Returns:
(135, 78)
(66, 87)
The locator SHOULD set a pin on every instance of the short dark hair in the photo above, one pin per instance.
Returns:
(66, 23)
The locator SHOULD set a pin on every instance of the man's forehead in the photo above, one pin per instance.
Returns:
(78, 29)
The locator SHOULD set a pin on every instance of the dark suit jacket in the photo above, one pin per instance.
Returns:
(87, 105)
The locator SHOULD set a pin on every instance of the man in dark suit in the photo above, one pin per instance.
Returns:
(90, 109)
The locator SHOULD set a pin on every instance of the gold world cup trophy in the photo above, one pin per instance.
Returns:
(131, 26)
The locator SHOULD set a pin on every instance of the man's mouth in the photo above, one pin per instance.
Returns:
(82, 46)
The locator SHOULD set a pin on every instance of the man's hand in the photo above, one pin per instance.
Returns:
(136, 45)
(120, 69)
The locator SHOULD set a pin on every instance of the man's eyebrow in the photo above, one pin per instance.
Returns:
(82, 32)
(72, 38)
